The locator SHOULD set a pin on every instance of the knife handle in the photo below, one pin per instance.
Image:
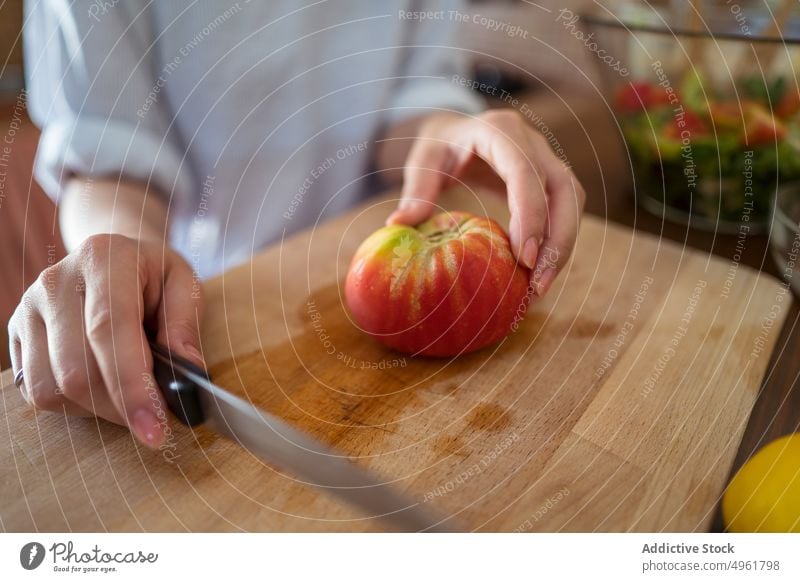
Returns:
(180, 391)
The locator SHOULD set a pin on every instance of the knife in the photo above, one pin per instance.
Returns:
(194, 399)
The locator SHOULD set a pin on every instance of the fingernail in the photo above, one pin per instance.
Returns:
(543, 281)
(190, 350)
(147, 428)
(529, 252)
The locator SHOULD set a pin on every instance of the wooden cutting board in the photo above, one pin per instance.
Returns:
(618, 404)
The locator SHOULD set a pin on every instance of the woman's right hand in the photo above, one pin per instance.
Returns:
(79, 331)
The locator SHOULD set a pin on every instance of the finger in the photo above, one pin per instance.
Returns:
(180, 310)
(565, 211)
(502, 140)
(427, 169)
(15, 351)
(113, 316)
(566, 201)
(73, 365)
(39, 387)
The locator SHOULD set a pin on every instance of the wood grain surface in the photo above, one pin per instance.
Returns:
(777, 411)
(617, 405)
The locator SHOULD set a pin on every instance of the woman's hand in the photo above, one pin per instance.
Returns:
(79, 331)
(545, 198)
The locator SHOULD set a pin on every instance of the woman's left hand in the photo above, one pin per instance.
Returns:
(544, 197)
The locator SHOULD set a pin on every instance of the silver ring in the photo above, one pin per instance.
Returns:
(18, 379)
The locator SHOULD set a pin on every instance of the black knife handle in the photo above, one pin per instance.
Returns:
(180, 392)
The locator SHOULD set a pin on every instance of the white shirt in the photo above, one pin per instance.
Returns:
(249, 117)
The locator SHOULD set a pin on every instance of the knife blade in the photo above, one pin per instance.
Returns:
(194, 399)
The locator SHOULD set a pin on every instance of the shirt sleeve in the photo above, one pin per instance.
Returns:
(434, 65)
(92, 91)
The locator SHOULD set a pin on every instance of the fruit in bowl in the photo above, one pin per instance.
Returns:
(717, 157)
(708, 107)
(448, 286)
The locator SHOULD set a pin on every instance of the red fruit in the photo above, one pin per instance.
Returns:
(727, 114)
(688, 122)
(640, 95)
(761, 127)
(789, 103)
(449, 286)
(755, 124)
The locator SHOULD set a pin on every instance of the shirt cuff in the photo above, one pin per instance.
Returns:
(424, 95)
(97, 148)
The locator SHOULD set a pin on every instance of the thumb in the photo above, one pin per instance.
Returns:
(181, 310)
(427, 171)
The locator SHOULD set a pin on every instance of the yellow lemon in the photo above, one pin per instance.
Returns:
(764, 495)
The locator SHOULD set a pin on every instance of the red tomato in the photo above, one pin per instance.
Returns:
(760, 127)
(789, 103)
(727, 114)
(689, 121)
(640, 95)
(449, 286)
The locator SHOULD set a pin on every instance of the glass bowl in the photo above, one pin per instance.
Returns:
(708, 104)
(785, 235)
